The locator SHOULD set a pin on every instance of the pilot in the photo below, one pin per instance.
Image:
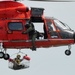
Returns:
(50, 26)
(32, 33)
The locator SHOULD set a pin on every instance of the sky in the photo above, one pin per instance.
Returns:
(48, 61)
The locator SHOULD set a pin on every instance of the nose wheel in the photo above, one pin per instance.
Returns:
(68, 52)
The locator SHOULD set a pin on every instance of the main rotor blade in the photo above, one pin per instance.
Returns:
(55, 0)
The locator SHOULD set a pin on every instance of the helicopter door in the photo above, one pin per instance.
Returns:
(15, 31)
(51, 29)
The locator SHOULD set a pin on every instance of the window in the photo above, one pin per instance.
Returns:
(51, 26)
(52, 30)
(15, 26)
(60, 25)
(65, 30)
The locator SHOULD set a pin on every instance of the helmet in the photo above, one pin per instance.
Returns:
(27, 25)
(18, 56)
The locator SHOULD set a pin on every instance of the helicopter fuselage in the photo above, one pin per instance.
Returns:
(13, 16)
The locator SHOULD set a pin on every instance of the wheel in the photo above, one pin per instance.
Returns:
(6, 56)
(1, 55)
(68, 52)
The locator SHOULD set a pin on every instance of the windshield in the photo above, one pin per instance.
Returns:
(61, 25)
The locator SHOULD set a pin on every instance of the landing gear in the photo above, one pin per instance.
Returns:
(68, 52)
(6, 56)
(3, 53)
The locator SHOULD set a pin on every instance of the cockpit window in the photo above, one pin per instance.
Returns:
(65, 31)
(61, 25)
(66, 25)
(15, 26)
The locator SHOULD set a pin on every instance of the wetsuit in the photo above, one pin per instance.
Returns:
(32, 34)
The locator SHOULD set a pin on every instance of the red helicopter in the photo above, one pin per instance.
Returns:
(13, 17)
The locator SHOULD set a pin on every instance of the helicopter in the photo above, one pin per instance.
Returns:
(13, 18)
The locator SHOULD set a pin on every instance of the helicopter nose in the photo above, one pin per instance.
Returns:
(74, 37)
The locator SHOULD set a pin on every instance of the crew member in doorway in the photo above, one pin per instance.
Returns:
(32, 33)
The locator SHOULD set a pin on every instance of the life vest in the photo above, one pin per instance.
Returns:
(17, 60)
